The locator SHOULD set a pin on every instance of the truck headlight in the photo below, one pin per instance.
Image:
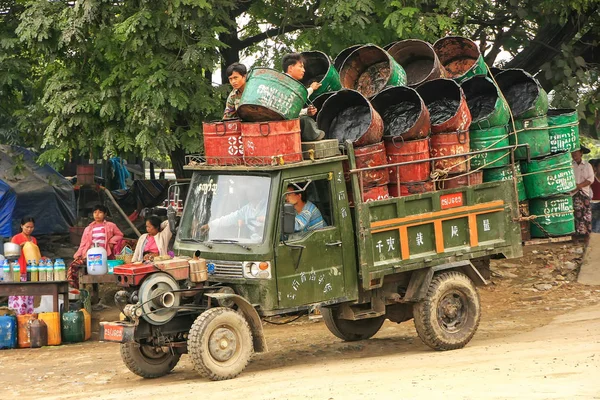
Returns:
(257, 269)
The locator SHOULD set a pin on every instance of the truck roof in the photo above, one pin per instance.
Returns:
(198, 163)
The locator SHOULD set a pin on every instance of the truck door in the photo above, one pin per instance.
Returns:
(314, 273)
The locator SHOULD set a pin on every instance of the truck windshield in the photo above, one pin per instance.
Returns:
(225, 208)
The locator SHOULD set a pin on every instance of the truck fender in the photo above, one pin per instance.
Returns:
(249, 312)
(421, 278)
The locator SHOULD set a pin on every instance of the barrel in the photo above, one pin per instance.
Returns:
(548, 176)
(369, 69)
(524, 94)
(495, 71)
(373, 155)
(485, 104)
(460, 57)
(418, 60)
(525, 225)
(448, 144)
(73, 327)
(318, 67)
(554, 216)
(534, 132)
(223, 142)
(273, 142)
(370, 194)
(271, 95)
(319, 101)
(460, 180)
(506, 174)
(403, 112)
(448, 109)
(410, 188)
(341, 57)
(8, 332)
(399, 151)
(348, 115)
(23, 331)
(563, 129)
(489, 139)
(52, 320)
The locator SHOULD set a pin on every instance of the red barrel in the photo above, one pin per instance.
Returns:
(449, 144)
(348, 115)
(410, 188)
(273, 142)
(223, 143)
(370, 194)
(410, 150)
(403, 113)
(418, 60)
(447, 105)
(460, 180)
(372, 156)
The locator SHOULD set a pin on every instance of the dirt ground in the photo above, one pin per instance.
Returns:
(539, 338)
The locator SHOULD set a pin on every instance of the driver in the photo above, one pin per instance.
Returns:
(308, 216)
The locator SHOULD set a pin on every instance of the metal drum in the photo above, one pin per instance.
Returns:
(549, 176)
(460, 57)
(554, 216)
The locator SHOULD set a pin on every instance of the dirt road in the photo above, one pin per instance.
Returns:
(539, 338)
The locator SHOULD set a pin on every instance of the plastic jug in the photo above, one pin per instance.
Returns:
(52, 320)
(73, 327)
(87, 319)
(8, 332)
(39, 333)
(97, 260)
(32, 252)
(23, 332)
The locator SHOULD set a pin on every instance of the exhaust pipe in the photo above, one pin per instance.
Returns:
(167, 300)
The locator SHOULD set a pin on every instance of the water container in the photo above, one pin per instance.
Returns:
(23, 332)
(32, 252)
(8, 332)
(73, 327)
(87, 319)
(52, 320)
(39, 333)
(96, 260)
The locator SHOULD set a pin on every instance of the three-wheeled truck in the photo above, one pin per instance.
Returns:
(416, 257)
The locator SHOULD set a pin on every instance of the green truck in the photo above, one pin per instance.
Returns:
(416, 257)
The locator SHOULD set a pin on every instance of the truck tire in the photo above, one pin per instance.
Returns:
(449, 315)
(348, 330)
(220, 343)
(145, 361)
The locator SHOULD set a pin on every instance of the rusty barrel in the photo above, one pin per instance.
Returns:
(410, 188)
(399, 151)
(341, 57)
(460, 180)
(418, 60)
(271, 143)
(370, 194)
(404, 113)
(486, 105)
(447, 105)
(373, 155)
(319, 101)
(223, 142)
(318, 67)
(460, 57)
(348, 115)
(369, 69)
(449, 144)
(524, 94)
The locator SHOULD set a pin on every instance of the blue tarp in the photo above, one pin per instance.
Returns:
(8, 199)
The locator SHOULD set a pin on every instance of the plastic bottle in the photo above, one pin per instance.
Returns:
(42, 271)
(35, 276)
(59, 270)
(49, 270)
(6, 271)
(16, 269)
(38, 332)
(28, 275)
(97, 260)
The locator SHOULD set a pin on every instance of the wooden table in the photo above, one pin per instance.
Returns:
(53, 288)
(95, 281)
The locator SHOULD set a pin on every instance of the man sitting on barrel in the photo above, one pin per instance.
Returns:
(236, 73)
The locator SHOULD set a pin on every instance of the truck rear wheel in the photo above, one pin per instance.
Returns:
(449, 315)
(220, 343)
(147, 362)
(349, 330)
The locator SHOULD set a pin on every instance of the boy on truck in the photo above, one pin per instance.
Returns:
(236, 73)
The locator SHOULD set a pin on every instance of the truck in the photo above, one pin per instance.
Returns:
(417, 257)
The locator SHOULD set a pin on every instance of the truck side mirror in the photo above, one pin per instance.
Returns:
(172, 218)
(288, 219)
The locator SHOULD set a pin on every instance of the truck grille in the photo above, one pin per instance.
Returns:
(225, 269)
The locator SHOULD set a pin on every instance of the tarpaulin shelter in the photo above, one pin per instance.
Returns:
(39, 192)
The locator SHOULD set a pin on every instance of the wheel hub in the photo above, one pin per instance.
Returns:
(222, 344)
(452, 311)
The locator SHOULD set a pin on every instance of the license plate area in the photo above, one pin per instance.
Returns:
(119, 332)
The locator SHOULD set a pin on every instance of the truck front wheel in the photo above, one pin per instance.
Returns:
(220, 343)
(349, 330)
(146, 361)
(449, 315)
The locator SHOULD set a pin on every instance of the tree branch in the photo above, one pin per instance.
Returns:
(243, 6)
(249, 41)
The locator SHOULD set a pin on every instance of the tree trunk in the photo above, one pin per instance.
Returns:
(178, 161)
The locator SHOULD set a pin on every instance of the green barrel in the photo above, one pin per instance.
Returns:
(548, 176)
(533, 132)
(506, 174)
(563, 128)
(369, 69)
(554, 216)
(491, 138)
(460, 57)
(73, 327)
(271, 95)
(524, 94)
(319, 68)
(488, 108)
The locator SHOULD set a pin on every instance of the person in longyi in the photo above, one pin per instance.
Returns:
(23, 304)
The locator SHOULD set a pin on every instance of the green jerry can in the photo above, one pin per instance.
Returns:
(73, 327)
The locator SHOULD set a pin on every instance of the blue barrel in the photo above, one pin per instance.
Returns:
(8, 332)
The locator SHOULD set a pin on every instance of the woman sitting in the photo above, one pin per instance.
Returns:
(155, 242)
(23, 304)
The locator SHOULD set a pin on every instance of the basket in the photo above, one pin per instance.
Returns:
(126, 258)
